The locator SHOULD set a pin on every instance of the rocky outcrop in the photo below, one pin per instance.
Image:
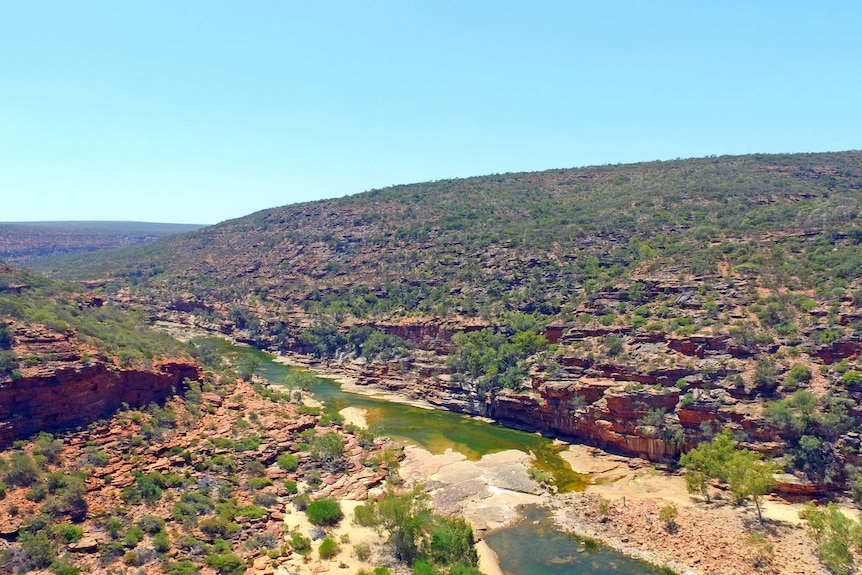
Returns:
(610, 421)
(838, 350)
(81, 392)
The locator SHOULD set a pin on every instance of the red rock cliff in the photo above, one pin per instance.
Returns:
(78, 393)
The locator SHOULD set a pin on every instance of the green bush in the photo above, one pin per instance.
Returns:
(7, 335)
(161, 542)
(328, 548)
(362, 551)
(218, 526)
(613, 345)
(226, 563)
(133, 536)
(288, 462)
(37, 492)
(113, 526)
(365, 516)
(68, 533)
(301, 501)
(324, 511)
(266, 499)
(300, 543)
(852, 378)
(22, 471)
(61, 567)
(422, 568)
(151, 524)
(291, 487)
(252, 512)
(38, 547)
(257, 483)
(184, 567)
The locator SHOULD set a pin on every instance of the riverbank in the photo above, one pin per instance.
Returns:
(621, 504)
(486, 493)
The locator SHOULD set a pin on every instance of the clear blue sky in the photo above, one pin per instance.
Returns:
(197, 112)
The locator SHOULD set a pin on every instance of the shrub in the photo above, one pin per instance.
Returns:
(255, 469)
(161, 542)
(38, 548)
(133, 536)
(68, 533)
(362, 551)
(61, 567)
(184, 567)
(365, 515)
(328, 548)
(301, 501)
(226, 563)
(667, 515)
(22, 470)
(290, 486)
(288, 462)
(251, 511)
(48, 447)
(113, 526)
(265, 499)
(327, 448)
(37, 492)
(131, 558)
(220, 526)
(7, 336)
(324, 511)
(257, 483)
(151, 524)
(852, 378)
(300, 543)
(613, 345)
(422, 568)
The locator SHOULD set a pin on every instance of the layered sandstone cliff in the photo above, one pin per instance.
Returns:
(60, 386)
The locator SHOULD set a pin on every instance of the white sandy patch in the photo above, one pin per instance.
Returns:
(489, 563)
(346, 534)
(617, 478)
(355, 416)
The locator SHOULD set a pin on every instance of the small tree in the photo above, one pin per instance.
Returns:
(835, 535)
(327, 448)
(742, 469)
(706, 461)
(748, 476)
(667, 515)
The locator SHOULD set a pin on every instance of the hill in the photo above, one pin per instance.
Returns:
(24, 242)
(639, 307)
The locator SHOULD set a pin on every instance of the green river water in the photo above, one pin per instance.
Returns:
(532, 547)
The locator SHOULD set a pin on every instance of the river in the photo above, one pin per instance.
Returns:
(534, 546)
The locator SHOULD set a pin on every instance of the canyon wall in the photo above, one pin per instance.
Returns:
(78, 393)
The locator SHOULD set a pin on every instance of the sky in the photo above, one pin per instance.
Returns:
(203, 111)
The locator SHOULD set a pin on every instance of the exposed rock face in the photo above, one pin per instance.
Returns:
(79, 393)
(59, 385)
(611, 422)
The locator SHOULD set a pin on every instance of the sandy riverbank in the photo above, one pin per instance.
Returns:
(348, 383)
(621, 508)
(486, 492)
